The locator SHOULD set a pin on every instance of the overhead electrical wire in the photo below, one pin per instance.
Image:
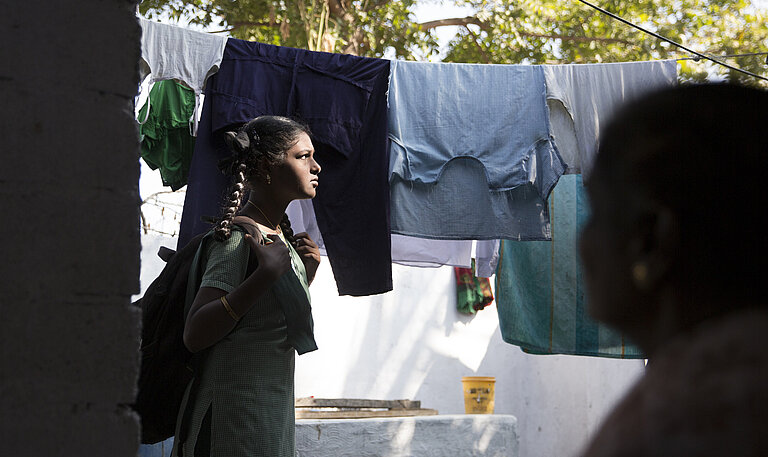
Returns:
(746, 54)
(698, 54)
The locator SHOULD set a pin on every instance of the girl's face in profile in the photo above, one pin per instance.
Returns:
(296, 177)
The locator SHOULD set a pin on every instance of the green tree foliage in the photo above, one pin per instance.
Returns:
(360, 27)
(501, 31)
(556, 31)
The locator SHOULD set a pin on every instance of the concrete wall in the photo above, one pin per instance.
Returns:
(444, 435)
(70, 255)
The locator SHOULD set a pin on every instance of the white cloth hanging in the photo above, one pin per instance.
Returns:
(170, 52)
(407, 250)
(583, 97)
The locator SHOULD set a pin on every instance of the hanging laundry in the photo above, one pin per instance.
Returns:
(588, 95)
(540, 292)
(409, 250)
(472, 293)
(170, 52)
(421, 252)
(167, 142)
(471, 152)
(486, 257)
(343, 100)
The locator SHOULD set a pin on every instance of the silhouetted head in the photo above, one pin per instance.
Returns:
(678, 207)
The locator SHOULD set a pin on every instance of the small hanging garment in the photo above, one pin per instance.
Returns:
(170, 52)
(167, 142)
(472, 293)
(540, 292)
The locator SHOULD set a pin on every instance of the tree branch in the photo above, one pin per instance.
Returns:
(156, 194)
(144, 224)
(338, 10)
(465, 21)
(455, 21)
(577, 38)
(479, 46)
(240, 24)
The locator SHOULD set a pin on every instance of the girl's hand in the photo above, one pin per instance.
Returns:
(274, 258)
(309, 253)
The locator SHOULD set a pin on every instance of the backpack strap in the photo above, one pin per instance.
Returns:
(248, 225)
(165, 253)
(298, 316)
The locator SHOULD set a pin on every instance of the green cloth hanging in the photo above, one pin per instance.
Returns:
(472, 293)
(540, 294)
(166, 142)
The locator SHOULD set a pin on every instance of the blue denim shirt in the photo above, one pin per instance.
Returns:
(471, 153)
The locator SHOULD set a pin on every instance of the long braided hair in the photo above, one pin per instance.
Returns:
(261, 141)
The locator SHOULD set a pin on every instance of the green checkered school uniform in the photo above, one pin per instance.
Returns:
(240, 402)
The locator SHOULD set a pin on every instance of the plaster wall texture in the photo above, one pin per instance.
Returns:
(69, 196)
(428, 436)
(411, 343)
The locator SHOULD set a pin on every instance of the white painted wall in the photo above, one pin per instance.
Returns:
(412, 343)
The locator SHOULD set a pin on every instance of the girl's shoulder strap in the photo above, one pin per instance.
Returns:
(248, 225)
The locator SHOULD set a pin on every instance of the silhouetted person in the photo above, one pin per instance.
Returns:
(675, 256)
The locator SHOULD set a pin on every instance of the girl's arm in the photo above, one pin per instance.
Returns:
(208, 320)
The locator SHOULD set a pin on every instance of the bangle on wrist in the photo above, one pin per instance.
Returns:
(229, 309)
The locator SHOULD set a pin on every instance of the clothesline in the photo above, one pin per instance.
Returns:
(166, 50)
(698, 54)
(746, 54)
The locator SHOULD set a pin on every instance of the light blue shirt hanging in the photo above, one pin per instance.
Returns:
(471, 153)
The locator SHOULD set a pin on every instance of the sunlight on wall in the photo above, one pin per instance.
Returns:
(392, 344)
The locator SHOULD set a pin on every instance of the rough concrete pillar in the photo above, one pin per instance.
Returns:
(70, 242)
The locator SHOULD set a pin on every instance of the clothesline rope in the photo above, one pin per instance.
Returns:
(698, 54)
(747, 54)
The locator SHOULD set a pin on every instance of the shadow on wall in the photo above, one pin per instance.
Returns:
(412, 343)
(408, 343)
(559, 400)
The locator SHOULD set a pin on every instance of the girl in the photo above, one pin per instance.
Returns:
(251, 310)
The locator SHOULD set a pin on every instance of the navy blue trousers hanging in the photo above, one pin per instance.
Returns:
(343, 100)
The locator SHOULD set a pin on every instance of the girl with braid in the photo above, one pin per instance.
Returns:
(251, 311)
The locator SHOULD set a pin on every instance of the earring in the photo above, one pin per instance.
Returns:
(269, 179)
(640, 274)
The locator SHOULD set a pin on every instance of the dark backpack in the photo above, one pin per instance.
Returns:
(165, 361)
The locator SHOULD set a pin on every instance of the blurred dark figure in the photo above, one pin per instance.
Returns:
(674, 256)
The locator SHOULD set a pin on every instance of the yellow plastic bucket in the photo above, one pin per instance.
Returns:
(478, 394)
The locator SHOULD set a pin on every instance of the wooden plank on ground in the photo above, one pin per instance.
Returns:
(311, 402)
(360, 414)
